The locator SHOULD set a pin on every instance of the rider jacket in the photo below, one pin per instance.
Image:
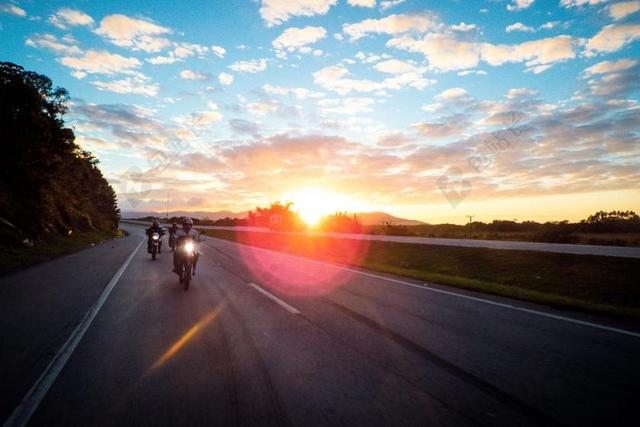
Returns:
(153, 229)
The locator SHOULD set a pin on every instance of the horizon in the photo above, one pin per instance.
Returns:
(525, 110)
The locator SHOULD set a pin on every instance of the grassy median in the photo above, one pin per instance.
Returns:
(605, 285)
(17, 258)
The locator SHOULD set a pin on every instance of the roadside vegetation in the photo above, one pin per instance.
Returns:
(53, 196)
(606, 285)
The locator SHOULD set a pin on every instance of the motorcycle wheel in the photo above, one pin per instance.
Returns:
(187, 277)
(153, 253)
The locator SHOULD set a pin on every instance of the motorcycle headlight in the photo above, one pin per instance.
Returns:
(155, 237)
(188, 247)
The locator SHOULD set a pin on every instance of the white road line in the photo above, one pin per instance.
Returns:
(38, 391)
(426, 287)
(284, 305)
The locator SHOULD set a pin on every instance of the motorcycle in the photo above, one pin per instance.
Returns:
(155, 245)
(185, 263)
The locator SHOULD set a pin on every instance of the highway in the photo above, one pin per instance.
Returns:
(108, 337)
(564, 248)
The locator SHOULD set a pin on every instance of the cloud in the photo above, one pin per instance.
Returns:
(519, 26)
(200, 118)
(519, 5)
(453, 93)
(362, 3)
(392, 24)
(275, 12)
(347, 106)
(101, 62)
(446, 53)
(51, 42)
(250, 66)
(136, 34)
(262, 108)
(441, 130)
(395, 66)
(12, 9)
(611, 38)
(605, 67)
(620, 11)
(609, 79)
(293, 39)
(336, 78)
(218, 51)
(225, 79)
(577, 3)
(129, 85)
(194, 75)
(66, 17)
(388, 4)
(297, 92)
(463, 27)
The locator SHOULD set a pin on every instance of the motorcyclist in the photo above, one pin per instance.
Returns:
(182, 235)
(155, 228)
(172, 231)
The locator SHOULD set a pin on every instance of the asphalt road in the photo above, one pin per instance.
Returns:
(265, 338)
(563, 248)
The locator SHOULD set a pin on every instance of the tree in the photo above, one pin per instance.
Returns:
(48, 184)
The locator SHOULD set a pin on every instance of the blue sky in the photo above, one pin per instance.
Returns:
(392, 105)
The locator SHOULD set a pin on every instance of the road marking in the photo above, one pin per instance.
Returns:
(284, 305)
(426, 287)
(38, 391)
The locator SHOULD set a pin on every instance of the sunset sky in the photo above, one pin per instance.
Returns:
(430, 110)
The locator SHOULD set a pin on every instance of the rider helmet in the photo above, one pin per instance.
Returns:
(156, 223)
(187, 223)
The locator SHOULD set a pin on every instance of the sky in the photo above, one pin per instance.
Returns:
(430, 110)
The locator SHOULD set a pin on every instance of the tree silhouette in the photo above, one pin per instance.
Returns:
(48, 184)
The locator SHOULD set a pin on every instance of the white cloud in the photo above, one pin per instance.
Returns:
(392, 24)
(347, 106)
(463, 27)
(395, 66)
(13, 10)
(130, 85)
(387, 4)
(362, 3)
(193, 75)
(219, 51)
(225, 79)
(610, 66)
(51, 42)
(519, 5)
(521, 93)
(66, 17)
(611, 38)
(519, 26)
(445, 52)
(275, 12)
(576, 3)
(136, 34)
(336, 78)
(454, 93)
(157, 60)
(101, 62)
(621, 10)
(298, 92)
(293, 38)
(262, 108)
(250, 66)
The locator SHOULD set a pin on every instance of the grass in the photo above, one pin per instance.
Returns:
(17, 258)
(604, 285)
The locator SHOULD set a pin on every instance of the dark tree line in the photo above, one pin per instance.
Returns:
(48, 185)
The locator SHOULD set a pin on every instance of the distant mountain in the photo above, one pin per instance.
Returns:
(375, 218)
(367, 218)
(194, 214)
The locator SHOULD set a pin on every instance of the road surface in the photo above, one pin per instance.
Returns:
(265, 338)
(564, 248)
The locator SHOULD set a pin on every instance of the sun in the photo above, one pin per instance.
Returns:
(314, 203)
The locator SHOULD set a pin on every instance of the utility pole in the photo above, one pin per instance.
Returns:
(167, 209)
(470, 220)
